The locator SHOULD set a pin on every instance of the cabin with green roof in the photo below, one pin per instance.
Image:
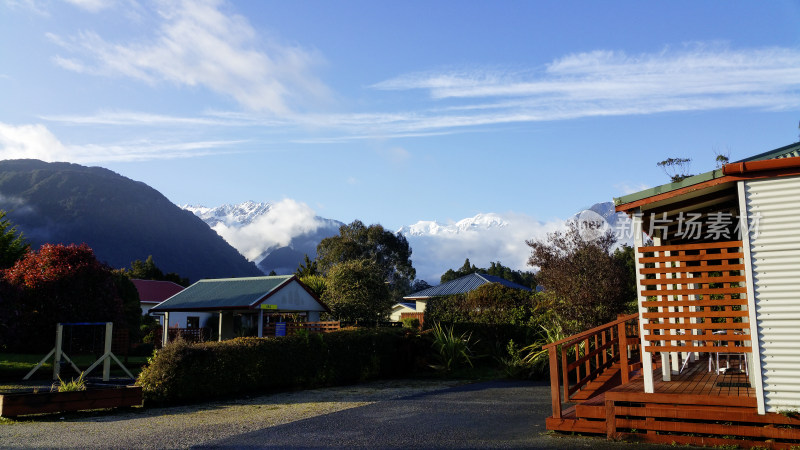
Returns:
(256, 300)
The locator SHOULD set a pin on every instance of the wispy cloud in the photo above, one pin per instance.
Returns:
(626, 188)
(199, 44)
(92, 5)
(701, 77)
(37, 141)
(593, 84)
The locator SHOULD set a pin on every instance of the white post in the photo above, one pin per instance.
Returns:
(754, 357)
(260, 323)
(165, 330)
(57, 357)
(647, 357)
(107, 352)
(666, 373)
(219, 334)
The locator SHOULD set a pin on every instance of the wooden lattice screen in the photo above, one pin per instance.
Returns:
(695, 298)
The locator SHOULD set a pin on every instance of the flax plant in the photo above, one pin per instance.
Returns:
(452, 351)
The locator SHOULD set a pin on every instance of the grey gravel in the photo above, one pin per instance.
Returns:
(185, 426)
(383, 414)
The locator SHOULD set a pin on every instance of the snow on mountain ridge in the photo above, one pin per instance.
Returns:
(478, 223)
(231, 215)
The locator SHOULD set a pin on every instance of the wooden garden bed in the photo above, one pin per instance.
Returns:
(12, 405)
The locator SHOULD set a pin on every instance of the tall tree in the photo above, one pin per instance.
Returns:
(464, 270)
(390, 252)
(147, 270)
(587, 284)
(306, 268)
(13, 245)
(677, 169)
(356, 291)
(527, 279)
(61, 283)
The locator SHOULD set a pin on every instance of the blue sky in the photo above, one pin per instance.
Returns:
(395, 112)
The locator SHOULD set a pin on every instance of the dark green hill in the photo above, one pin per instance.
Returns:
(121, 219)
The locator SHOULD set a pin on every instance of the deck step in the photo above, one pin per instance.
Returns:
(573, 425)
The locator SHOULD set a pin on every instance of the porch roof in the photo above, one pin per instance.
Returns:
(730, 172)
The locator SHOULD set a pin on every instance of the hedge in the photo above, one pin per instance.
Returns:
(184, 372)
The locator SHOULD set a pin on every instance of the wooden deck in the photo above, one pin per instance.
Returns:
(698, 407)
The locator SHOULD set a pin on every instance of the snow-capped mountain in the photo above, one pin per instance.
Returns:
(477, 223)
(276, 236)
(231, 215)
(490, 237)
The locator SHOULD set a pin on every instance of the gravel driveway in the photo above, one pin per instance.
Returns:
(382, 414)
(185, 426)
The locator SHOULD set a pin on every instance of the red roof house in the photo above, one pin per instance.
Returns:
(152, 292)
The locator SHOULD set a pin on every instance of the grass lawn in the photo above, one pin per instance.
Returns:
(14, 366)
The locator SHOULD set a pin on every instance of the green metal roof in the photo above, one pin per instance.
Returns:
(225, 293)
(787, 151)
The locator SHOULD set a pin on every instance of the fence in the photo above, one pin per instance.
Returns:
(414, 315)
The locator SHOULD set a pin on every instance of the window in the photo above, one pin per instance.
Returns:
(192, 322)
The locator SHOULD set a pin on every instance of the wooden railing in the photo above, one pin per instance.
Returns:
(311, 327)
(187, 334)
(584, 356)
(696, 298)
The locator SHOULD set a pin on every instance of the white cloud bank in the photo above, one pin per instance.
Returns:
(37, 142)
(198, 44)
(285, 220)
(503, 240)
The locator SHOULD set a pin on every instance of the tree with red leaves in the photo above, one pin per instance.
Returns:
(60, 283)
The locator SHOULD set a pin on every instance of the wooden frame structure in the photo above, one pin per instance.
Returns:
(58, 354)
(727, 296)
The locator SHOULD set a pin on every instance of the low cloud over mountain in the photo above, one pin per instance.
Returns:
(277, 236)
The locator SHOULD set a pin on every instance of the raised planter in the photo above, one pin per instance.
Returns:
(12, 405)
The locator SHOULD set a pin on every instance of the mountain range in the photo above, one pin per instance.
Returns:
(125, 220)
(436, 246)
(120, 219)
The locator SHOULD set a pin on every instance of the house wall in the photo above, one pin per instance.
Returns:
(395, 315)
(773, 210)
(180, 318)
(293, 297)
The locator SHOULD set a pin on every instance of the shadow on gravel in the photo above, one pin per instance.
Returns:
(494, 414)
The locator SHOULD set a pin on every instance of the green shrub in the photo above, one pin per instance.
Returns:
(182, 372)
(411, 322)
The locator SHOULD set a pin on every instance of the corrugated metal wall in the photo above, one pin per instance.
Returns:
(773, 207)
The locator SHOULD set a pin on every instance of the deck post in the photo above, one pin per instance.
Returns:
(666, 370)
(611, 420)
(565, 372)
(622, 336)
(260, 323)
(556, 396)
(647, 357)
